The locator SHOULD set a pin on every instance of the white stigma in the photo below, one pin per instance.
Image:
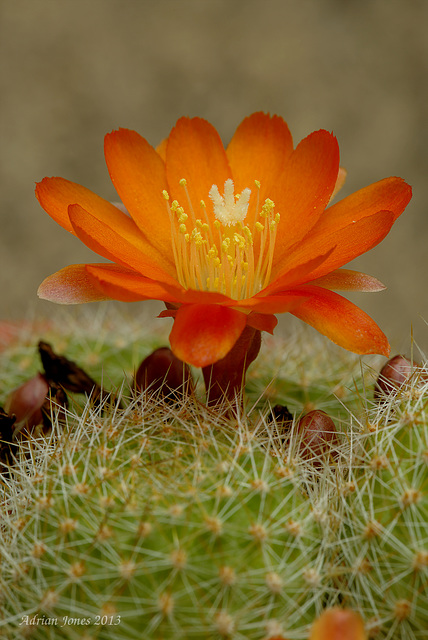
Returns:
(229, 209)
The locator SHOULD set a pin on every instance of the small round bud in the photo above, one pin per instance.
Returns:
(318, 436)
(26, 402)
(161, 372)
(393, 375)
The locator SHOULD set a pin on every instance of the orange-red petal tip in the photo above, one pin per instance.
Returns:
(203, 334)
(71, 285)
(262, 321)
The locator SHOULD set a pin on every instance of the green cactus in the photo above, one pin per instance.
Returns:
(168, 522)
(383, 547)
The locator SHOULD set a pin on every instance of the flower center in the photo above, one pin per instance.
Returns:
(225, 256)
(229, 210)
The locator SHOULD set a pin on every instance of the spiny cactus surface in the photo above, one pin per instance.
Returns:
(140, 518)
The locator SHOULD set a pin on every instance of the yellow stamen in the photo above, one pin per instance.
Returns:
(183, 183)
(238, 263)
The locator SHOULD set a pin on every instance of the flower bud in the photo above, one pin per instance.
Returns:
(338, 624)
(26, 402)
(163, 373)
(318, 436)
(393, 375)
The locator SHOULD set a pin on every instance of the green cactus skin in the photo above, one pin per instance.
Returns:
(182, 524)
(174, 522)
(383, 536)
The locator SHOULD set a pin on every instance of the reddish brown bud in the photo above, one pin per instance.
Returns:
(393, 375)
(26, 402)
(338, 624)
(318, 436)
(161, 372)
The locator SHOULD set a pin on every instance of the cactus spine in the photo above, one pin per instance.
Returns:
(176, 521)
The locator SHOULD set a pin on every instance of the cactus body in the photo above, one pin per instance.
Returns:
(164, 521)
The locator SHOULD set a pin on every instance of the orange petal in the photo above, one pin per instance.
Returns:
(138, 174)
(161, 149)
(259, 150)
(120, 283)
(192, 296)
(342, 243)
(341, 321)
(338, 624)
(204, 333)
(168, 313)
(282, 302)
(56, 194)
(195, 152)
(262, 321)
(296, 275)
(303, 190)
(390, 194)
(340, 181)
(121, 243)
(71, 285)
(347, 280)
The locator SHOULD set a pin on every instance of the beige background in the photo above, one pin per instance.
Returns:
(71, 70)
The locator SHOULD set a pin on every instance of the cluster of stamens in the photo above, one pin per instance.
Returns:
(227, 256)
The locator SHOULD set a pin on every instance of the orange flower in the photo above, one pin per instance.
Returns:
(227, 237)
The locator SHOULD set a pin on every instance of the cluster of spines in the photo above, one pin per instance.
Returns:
(358, 530)
(384, 515)
(229, 540)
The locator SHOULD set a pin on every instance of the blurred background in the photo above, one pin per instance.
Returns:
(72, 70)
